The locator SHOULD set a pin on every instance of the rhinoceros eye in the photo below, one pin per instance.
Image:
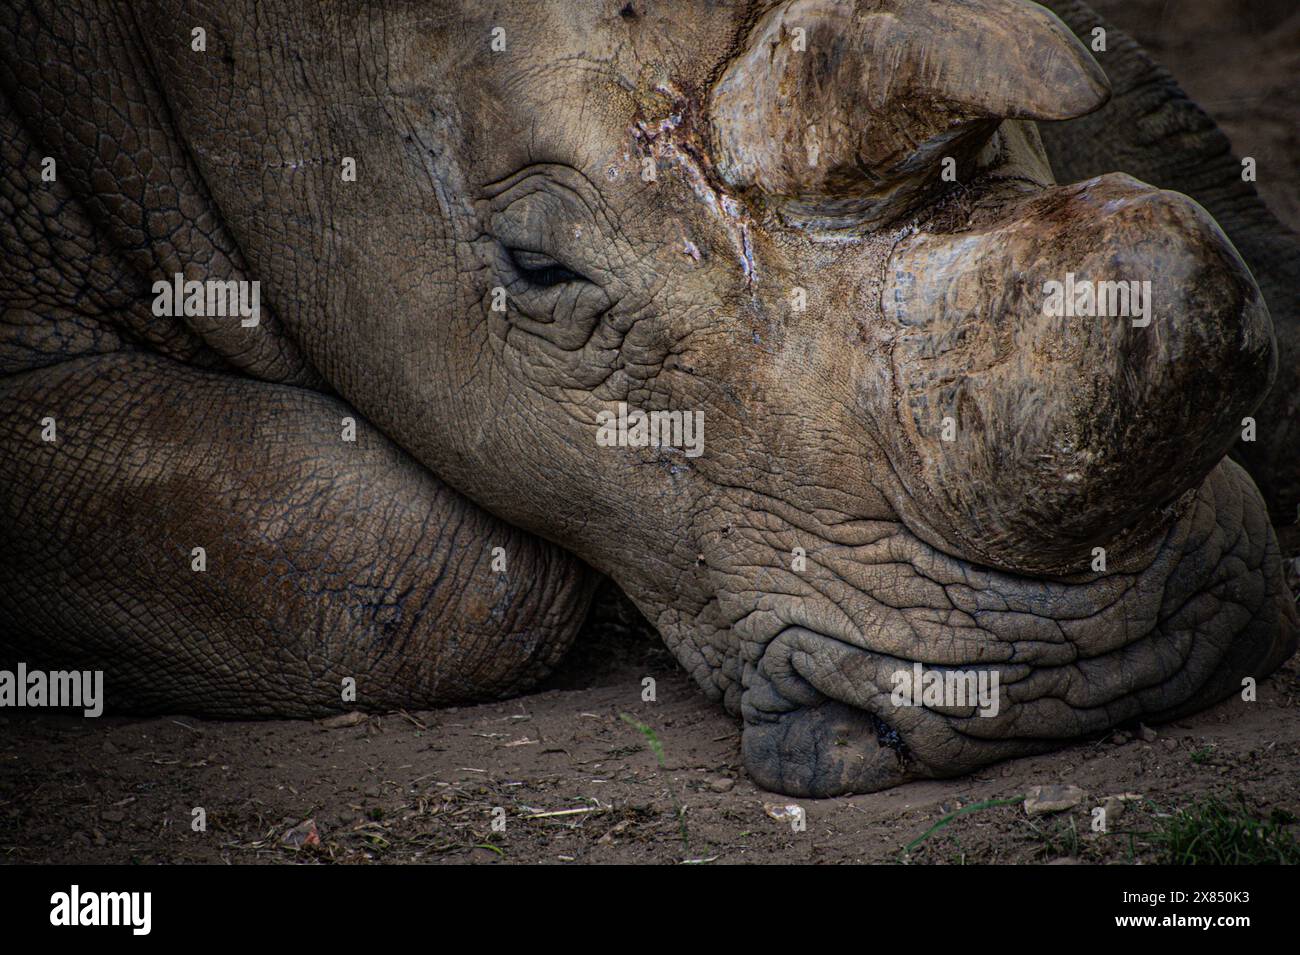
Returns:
(548, 255)
(549, 299)
(540, 269)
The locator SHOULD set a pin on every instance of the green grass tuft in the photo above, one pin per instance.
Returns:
(1212, 832)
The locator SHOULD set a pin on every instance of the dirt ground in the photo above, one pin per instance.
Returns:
(578, 781)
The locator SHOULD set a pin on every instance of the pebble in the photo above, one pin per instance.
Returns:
(1114, 807)
(343, 720)
(1042, 800)
(781, 812)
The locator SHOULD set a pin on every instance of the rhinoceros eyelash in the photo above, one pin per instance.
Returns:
(540, 269)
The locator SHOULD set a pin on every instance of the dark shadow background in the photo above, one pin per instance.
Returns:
(1240, 60)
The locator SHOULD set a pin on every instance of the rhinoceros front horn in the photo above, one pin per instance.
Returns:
(842, 111)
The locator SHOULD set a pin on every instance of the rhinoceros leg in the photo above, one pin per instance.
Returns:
(1151, 130)
(324, 558)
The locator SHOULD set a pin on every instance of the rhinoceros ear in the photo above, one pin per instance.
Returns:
(843, 110)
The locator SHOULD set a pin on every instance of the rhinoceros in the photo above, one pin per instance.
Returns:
(347, 345)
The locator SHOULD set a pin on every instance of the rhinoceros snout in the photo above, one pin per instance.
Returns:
(1068, 365)
(1016, 665)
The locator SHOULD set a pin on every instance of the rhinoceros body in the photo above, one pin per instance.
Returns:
(774, 313)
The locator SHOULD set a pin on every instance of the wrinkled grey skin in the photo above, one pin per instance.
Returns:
(476, 429)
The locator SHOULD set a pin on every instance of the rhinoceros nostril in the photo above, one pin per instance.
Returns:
(888, 736)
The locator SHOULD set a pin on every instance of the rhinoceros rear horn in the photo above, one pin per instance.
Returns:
(843, 111)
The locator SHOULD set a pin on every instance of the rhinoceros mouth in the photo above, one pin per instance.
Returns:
(828, 709)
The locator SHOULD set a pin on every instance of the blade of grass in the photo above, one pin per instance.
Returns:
(973, 807)
(651, 739)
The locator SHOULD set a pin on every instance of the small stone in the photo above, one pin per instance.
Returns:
(113, 815)
(608, 838)
(1042, 800)
(1114, 807)
(1120, 738)
(781, 812)
(109, 748)
(1146, 733)
(343, 720)
(1169, 744)
(721, 784)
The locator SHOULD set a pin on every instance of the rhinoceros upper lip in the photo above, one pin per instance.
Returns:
(998, 605)
(1056, 641)
(1129, 550)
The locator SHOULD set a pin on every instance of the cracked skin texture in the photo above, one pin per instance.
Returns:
(476, 428)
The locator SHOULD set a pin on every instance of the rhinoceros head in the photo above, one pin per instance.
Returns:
(922, 410)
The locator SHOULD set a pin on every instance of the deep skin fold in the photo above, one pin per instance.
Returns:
(381, 292)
